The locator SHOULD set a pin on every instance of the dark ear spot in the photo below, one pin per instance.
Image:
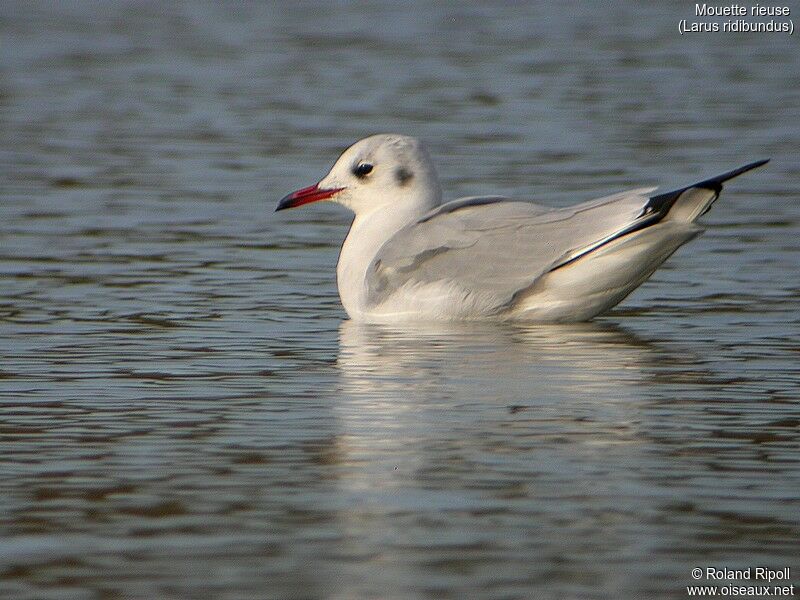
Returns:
(403, 175)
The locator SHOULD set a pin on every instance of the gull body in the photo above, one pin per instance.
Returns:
(408, 256)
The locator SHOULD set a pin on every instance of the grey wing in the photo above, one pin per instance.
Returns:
(494, 247)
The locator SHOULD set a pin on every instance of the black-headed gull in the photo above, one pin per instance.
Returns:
(407, 256)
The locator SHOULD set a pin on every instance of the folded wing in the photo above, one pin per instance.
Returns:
(493, 247)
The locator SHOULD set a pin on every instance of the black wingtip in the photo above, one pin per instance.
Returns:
(715, 183)
(660, 205)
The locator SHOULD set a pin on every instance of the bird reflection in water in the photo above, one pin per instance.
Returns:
(415, 394)
(526, 363)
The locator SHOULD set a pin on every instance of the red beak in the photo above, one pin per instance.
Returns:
(309, 194)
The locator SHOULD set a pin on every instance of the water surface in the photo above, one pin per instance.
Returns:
(186, 412)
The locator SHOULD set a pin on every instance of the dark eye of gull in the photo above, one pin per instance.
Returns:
(362, 170)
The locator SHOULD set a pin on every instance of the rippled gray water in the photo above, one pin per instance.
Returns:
(186, 413)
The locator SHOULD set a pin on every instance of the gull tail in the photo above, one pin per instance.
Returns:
(598, 276)
(689, 203)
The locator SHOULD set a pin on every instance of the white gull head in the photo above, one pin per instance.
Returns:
(387, 172)
(388, 181)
